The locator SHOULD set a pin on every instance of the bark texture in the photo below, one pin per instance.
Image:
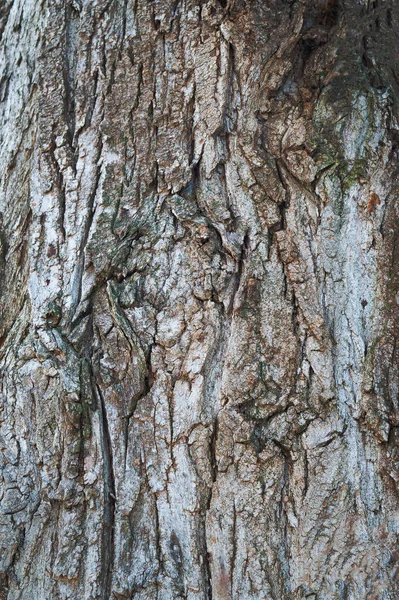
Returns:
(199, 299)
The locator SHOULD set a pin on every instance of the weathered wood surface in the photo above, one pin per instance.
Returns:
(199, 299)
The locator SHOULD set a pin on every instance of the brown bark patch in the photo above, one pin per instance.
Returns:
(373, 201)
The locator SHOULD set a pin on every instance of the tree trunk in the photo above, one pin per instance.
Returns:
(199, 299)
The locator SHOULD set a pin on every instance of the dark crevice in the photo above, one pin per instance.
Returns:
(389, 18)
(5, 8)
(139, 86)
(394, 136)
(206, 567)
(109, 499)
(4, 581)
(59, 182)
(305, 475)
(80, 263)
(176, 553)
(4, 87)
(93, 100)
(259, 436)
(123, 28)
(234, 547)
(239, 272)
(279, 226)
(214, 470)
(158, 547)
(69, 69)
(212, 452)
(295, 313)
(190, 117)
(147, 384)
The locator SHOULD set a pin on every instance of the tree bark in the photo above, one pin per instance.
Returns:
(199, 299)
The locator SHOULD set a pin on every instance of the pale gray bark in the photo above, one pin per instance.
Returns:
(199, 299)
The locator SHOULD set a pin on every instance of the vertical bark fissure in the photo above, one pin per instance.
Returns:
(77, 281)
(239, 274)
(109, 499)
(234, 549)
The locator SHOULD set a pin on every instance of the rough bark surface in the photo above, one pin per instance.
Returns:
(199, 299)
